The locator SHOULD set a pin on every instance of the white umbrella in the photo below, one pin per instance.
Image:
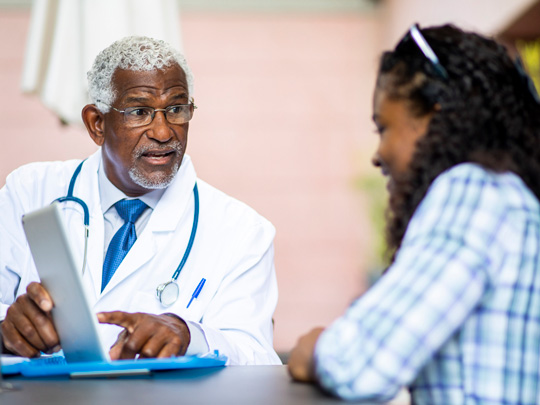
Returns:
(66, 35)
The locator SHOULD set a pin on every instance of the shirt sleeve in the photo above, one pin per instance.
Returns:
(197, 343)
(438, 277)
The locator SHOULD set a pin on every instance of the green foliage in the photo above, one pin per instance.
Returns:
(373, 188)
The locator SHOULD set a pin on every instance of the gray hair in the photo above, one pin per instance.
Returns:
(131, 53)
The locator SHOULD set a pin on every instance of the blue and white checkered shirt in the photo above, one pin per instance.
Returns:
(457, 315)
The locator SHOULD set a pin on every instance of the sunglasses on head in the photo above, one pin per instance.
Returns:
(416, 35)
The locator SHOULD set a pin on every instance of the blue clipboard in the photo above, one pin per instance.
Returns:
(57, 365)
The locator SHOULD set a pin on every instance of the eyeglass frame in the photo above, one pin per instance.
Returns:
(154, 110)
(427, 50)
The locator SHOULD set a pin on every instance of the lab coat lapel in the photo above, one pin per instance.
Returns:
(87, 189)
(163, 221)
(175, 201)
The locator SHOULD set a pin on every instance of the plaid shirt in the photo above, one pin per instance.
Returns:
(457, 315)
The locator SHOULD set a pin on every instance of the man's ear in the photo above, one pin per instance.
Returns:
(94, 121)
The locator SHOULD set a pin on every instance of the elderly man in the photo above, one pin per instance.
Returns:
(158, 234)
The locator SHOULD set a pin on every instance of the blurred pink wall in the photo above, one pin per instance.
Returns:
(284, 105)
(283, 125)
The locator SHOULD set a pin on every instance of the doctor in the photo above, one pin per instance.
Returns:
(174, 265)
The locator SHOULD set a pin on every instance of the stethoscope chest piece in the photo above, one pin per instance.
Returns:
(167, 293)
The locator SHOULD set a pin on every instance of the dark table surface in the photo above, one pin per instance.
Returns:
(223, 385)
(256, 385)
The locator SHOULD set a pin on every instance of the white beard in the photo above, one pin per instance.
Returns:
(162, 181)
(159, 181)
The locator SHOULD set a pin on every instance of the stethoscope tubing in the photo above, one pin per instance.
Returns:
(86, 211)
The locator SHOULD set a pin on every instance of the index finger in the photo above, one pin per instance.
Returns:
(37, 293)
(120, 318)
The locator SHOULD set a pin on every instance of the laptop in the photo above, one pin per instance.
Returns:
(75, 322)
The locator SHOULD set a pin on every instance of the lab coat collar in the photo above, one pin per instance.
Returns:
(176, 199)
(169, 204)
(110, 194)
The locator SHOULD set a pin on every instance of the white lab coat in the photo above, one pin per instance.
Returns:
(233, 251)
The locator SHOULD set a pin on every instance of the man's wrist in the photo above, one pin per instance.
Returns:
(185, 332)
(174, 316)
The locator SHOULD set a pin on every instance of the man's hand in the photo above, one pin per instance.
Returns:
(28, 328)
(300, 364)
(147, 335)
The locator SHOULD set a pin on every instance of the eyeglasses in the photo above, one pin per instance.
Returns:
(140, 116)
(420, 41)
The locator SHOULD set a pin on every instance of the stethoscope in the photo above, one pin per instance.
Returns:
(167, 293)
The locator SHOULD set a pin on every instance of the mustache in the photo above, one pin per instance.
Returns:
(175, 146)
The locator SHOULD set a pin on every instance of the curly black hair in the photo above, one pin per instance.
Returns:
(483, 112)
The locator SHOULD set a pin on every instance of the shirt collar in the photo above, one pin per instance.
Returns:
(110, 195)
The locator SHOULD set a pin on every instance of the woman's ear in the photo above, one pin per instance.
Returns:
(94, 121)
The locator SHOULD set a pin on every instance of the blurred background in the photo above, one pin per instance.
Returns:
(284, 120)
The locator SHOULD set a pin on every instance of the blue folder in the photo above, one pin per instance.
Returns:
(57, 365)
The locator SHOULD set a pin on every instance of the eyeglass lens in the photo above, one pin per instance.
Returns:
(175, 114)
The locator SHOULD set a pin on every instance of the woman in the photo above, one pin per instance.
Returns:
(456, 316)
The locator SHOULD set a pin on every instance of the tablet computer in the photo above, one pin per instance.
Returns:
(75, 322)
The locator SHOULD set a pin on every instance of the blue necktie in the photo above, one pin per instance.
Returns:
(123, 239)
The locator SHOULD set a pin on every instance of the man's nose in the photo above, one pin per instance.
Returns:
(160, 129)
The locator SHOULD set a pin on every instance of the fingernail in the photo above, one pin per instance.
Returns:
(45, 305)
(53, 350)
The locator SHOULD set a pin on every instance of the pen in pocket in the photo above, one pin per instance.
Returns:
(197, 291)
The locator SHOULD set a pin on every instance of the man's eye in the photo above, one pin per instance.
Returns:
(175, 109)
(138, 112)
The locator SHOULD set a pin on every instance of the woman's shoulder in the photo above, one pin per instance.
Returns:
(471, 178)
(469, 188)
